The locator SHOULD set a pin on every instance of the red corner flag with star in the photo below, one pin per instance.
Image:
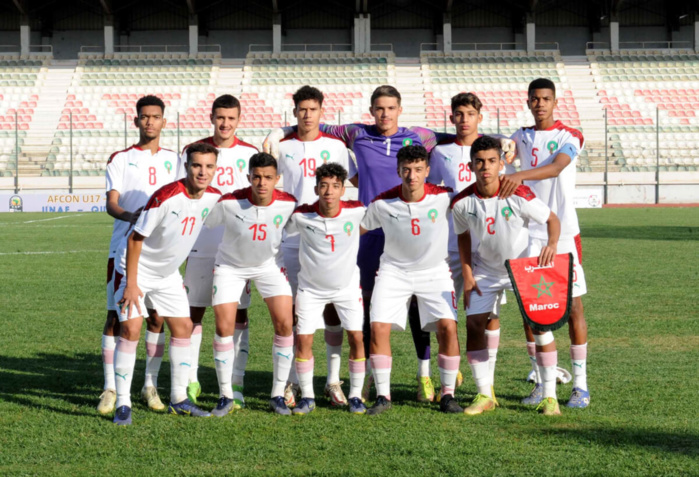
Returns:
(543, 293)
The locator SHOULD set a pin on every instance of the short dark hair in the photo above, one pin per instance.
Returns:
(262, 159)
(225, 101)
(385, 90)
(541, 83)
(201, 148)
(466, 99)
(149, 100)
(485, 143)
(413, 153)
(331, 169)
(304, 93)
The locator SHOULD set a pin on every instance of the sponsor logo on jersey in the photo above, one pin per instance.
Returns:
(204, 213)
(447, 158)
(241, 164)
(393, 216)
(551, 146)
(15, 203)
(325, 155)
(278, 220)
(348, 227)
(543, 288)
(432, 214)
(507, 213)
(176, 214)
(135, 164)
(168, 166)
(407, 142)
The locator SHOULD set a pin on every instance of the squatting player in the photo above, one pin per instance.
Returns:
(495, 230)
(414, 217)
(548, 153)
(133, 175)
(253, 220)
(375, 147)
(231, 175)
(299, 155)
(329, 232)
(147, 266)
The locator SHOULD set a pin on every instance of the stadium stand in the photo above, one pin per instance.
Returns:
(639, 88)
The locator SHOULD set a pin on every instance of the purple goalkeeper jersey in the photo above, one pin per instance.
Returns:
(376, 154)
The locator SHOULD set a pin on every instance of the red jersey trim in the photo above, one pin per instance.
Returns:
(164, 193)
(470, 190)
(397, 192)
(307, 209)
(114, 154)
(525, 192)
(558, 125)
(280, 195)
(321, 134)
(212, 190)
(240, 194)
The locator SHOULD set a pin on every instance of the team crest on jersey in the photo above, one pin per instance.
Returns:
(325, 155)
(432, 214)
(507, 213)
(348, 228)
(168, 166)
(551, 146)
(278, 221)
(241, 164)
(407, 142)
(204, 213)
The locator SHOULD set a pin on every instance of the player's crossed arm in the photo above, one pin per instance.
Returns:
(510, 182)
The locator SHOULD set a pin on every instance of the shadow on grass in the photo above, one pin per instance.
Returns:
(641, 232)
(684, 444)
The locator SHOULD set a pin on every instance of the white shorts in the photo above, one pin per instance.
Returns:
(111, 305)
(565, 246)
(199, 282)
(310, 305)
(166, 295)
(229, 282)
(293, 267)
(433, 288)
(458, 277)
(492, 287)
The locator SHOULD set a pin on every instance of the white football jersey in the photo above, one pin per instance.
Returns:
(539, 148)
(297, 164)
(498, 226)
(416, 232)
(231, 175)
(136, 174)
(252, 234)
(170, 223)
(329, 245)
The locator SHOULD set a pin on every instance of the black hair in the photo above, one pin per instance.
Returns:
(466, 99)
(385, 90)
(541, 83)
(485, 143)
(262, 159)
(305, 93)
(331, 169)
(200, 148)
(413, 153)
(149, 100)
(225, 101)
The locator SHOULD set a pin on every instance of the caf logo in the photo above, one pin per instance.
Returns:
(15, 203)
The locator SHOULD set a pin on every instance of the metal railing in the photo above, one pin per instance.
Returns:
(512, 46)
(315, 47)
(33, 49)
(209, 48)
(640, 45)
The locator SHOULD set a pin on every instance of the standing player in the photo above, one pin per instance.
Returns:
(495, 230)
(376, 147)
(329, 231)
(133, 175)
(548, 153)
(231, 175)
(414, 217)
(254, 219)
(148, 265)
(299, 155)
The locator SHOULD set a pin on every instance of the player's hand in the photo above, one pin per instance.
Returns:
(508, 185)
(470, 285)
(547, 255)
(135, 215)
(271, 143)
(509, 148)
(131, 298)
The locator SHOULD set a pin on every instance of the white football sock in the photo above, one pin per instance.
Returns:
(381, 367)
(333, 347)
(547, 365)
(241, 342)
(304, 370)
(224, 355)
(124, 363)
(448, 369)
(357, 373)
(423, 368)
(480, 369)
(108, 346)
(155, 348)
(283, 355)
(180, 356)
(578, 355)
(195, 350)
(493, 339)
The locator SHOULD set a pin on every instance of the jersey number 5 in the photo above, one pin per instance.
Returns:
(535, 161)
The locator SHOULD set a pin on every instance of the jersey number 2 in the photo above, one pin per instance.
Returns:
(491, 225)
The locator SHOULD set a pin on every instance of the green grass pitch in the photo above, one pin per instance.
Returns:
(642, 272)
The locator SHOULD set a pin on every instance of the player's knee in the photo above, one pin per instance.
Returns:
(131, 330)
(475, 324)
(241, 315)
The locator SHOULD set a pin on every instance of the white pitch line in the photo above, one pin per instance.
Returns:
(52, 218)
(51, 252)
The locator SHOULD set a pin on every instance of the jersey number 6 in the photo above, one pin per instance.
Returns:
(415, 226)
